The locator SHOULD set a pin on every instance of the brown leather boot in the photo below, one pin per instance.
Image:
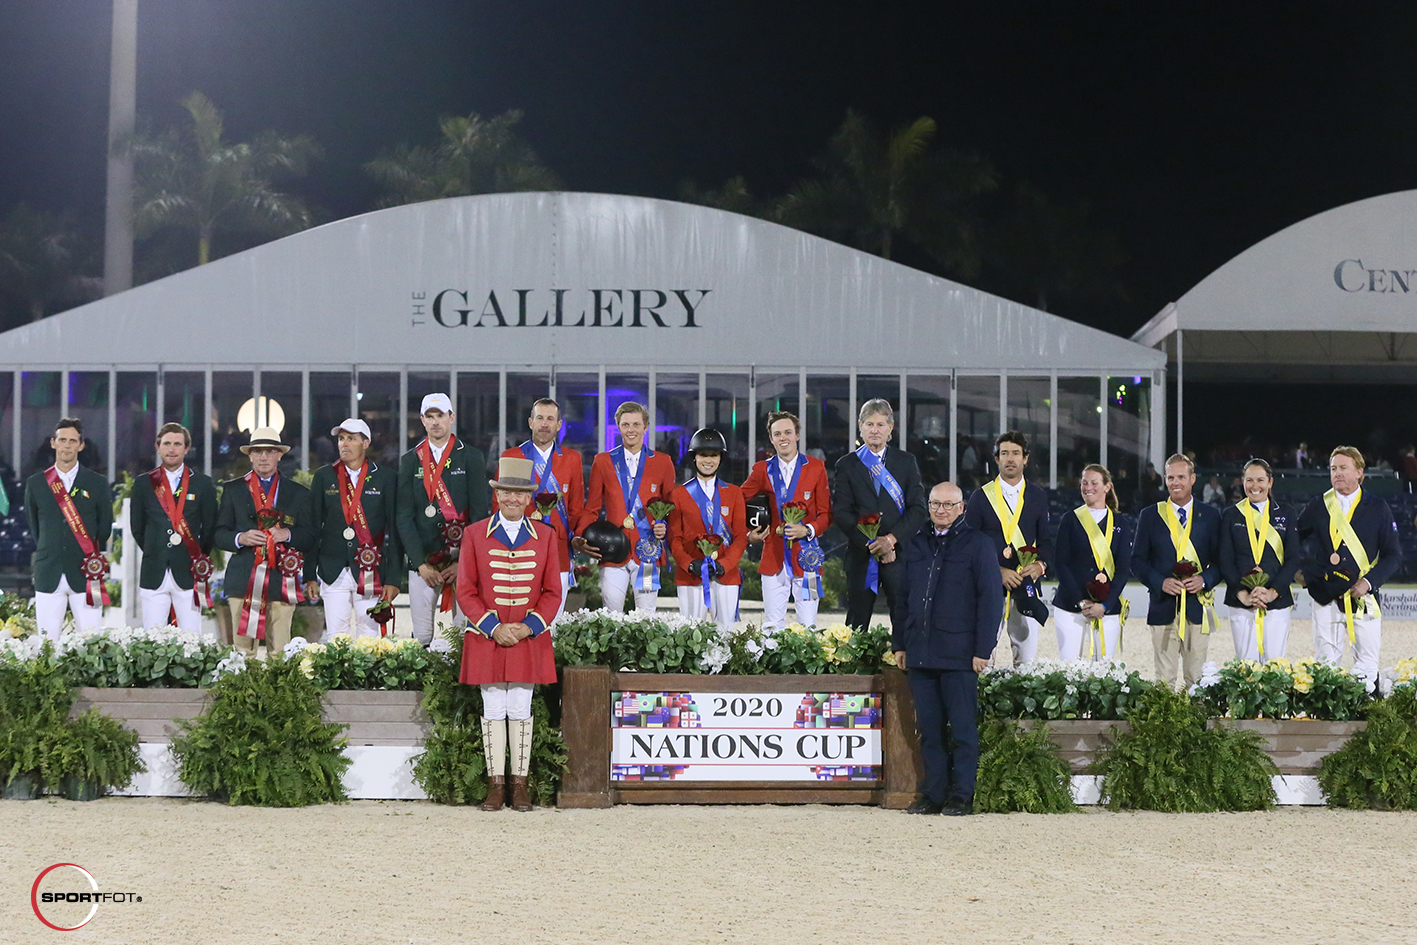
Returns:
(496, 794)
(521, 800)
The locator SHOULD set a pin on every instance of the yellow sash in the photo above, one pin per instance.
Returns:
(1340, 532)
(1186, 551)
(1008, 520)
(1100, 540)
(1260, 531)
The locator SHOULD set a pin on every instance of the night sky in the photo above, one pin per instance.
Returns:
(1194, 129)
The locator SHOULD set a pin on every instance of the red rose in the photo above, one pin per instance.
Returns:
(873, 519)
(1099, 591)
(1183, 570)
(440, 560)
(709, 544)
(266, 519)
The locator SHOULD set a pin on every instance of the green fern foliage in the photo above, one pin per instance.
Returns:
(1377, 769)
(1018, 771)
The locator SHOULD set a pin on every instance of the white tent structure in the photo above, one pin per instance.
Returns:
(1331, 298)
(711, 318)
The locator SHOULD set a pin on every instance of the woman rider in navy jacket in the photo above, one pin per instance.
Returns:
(1089, 627)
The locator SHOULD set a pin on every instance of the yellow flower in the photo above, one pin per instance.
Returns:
(313, 649)
(1406, 670)
(1303, 682)
(307, 666)
(838, 633)
(798, 629)
(1280, 662)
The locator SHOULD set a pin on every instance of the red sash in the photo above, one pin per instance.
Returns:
(368, 556)
(174, 507)
(269, 557)
(437, 491)
(95, 565)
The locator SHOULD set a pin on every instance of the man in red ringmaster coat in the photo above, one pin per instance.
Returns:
(509, 586)
(556, 472)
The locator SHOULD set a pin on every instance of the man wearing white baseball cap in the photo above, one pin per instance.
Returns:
(441, 488)
(356, 559)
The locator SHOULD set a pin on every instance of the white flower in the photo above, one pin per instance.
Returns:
(235, 663)
(753, 647)
(295, 646)
(770, 643)
(440, 645)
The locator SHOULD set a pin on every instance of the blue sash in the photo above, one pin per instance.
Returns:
(883, 480)
(644, 574)
(712, 514)
(807, 555)
(882, 477)
(546, 482)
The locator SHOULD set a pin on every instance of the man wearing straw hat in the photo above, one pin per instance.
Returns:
(356, 560)
(265, 522)
(509, 586)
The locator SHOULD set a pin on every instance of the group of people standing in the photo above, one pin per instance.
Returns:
(954, 573)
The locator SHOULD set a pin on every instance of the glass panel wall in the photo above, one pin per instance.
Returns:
(880, 386)
(421, 384)
(39, 411)
(88, 402)
(1079, 428)
(477, 410)
(726, 397)
(579, 397)
(776, 392)
(329, 404)
(620, 388)
(184, 401)
(927, 425)
(1030, 412)
(524, 388)
(9, 468)
(379, 407)
(676, 410)
(281, 407)
(136, 426)
(978, 418)
(1129, 438)
(230, 391)
(830, 428)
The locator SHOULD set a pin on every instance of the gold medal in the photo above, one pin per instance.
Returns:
(1008, 552)
(629, 522)
(1334, 558)
(348, 534)
(430, 511)
(174, 539)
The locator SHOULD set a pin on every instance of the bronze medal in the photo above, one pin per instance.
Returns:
(629, 522)
(1101, 578)
(1008, 552)
(1334, 558)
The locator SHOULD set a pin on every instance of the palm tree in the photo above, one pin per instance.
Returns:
(875, 190)
(189, 179)
(1050, 249)
(475, 156)
(42, 262)
(733, 196)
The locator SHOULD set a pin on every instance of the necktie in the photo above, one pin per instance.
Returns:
(1182, 516)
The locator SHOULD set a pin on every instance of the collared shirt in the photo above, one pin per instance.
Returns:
(354, 475)
(438, 451)
(68, 477)
(1345, 502)
(1179, 509)
(632, 460)
(174, 478)
(511, 527)
(1010, 492)
(879, 455)
(1098, 514)
(788, 467)
(545, 454)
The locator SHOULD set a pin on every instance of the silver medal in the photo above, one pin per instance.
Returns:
(430, 511)
(174, 539)
(348, 534)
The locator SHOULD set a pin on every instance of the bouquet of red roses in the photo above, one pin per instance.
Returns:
(1099, 591)
(793, 513)
(870, 525)
(268, 518)
(1184, 569)
(1027, 555)
(709, 545)
(382, 614)
(546, 503)
(658, 510)
(441, 560)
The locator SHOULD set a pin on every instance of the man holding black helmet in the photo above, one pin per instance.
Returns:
(791, 565)
(710, 529)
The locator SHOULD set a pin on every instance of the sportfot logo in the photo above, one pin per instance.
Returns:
(66, 902)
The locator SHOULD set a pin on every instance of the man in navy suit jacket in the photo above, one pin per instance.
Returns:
(856, 492)
(1342, 579)
(1154, 558)
(944, 624)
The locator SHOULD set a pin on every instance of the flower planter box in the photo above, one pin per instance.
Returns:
(588, 728)
(374, 718)
(1298, 746)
